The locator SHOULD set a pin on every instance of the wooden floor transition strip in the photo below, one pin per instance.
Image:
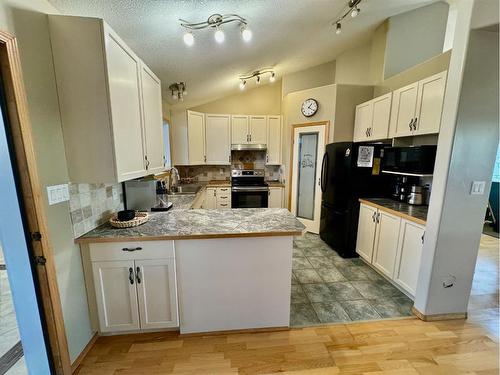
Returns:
(10, 358)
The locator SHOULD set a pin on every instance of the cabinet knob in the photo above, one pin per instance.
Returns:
(131, 275)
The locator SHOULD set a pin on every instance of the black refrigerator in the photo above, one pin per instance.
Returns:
(349, 171)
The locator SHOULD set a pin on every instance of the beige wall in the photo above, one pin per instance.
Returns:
(316, 76)
(28, 21)
(353, 66)
(263, 100)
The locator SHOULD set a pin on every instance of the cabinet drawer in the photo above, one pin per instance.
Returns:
(136, 250)
(223, 205)
(224, 198)
(224, 191)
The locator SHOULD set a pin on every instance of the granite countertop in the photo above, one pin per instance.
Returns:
(417, 214)
(190, 224)
(275, 184)
(182, 201)
(219, 183)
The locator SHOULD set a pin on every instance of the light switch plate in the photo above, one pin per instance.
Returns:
(477, 187)
(58, 193)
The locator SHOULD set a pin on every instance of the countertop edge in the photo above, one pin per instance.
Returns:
(88, 240)
(394, 212)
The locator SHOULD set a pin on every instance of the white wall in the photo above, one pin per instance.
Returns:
(414, 37)
(316, 76)
(466, 152)
(28, 21)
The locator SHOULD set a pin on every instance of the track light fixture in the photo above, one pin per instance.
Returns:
(351, 8)
(178, 90)
(257, 74)
(215, 21)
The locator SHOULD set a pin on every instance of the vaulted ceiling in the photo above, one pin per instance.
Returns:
(288, 35)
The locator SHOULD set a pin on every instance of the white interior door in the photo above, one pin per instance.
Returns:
(308, 150)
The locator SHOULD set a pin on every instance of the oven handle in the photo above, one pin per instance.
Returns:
(250, 189)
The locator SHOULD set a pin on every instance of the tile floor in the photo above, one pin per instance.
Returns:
(328, 289)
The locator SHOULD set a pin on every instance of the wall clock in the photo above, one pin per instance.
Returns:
(309, 107)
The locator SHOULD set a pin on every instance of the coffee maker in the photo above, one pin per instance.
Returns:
(400, 188)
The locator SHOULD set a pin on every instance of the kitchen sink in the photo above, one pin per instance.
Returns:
(185, 189)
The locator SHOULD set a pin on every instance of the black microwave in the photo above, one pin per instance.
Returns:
(412, 160)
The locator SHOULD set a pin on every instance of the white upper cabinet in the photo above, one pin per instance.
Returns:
(153, 121)
(417, 108)
(239, 129)
(196, 137)
(218, 139)
(372, 119)
(108, 103)
(273, 140)
(258, 130)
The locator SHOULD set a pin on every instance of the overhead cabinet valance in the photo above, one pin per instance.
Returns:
(110, 103)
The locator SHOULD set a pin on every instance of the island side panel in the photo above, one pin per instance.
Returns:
(234, 283)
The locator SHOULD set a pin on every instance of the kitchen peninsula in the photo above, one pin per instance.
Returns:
(201, 270)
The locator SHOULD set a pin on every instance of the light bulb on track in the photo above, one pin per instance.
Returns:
(242, 85)
(338, 28)
(246, 34)
(188, 38)
(354, 12)
(219, 36)
(272, 78)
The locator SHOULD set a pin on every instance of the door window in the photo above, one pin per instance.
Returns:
(306, 182)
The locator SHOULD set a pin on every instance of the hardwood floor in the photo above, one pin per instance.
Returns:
(386, 347)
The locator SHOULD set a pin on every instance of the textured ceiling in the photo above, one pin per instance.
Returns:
(288, 35)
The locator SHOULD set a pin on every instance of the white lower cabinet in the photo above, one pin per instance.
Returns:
(275, 199)
(135, 286)
(392, 245)
(411, 240)
(218, 198)
(386, 242)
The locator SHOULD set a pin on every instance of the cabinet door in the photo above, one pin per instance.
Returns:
(218, 139)
(404, 109)
(430, 103)
(273, 140)
(239, 129)
(116, 295)
(363, 121)
(123, 68)
(258, 129)
(380, 117)
(153, 120)
(210, 199)
(366, 232)
(157, 293)
(275, 197)
(196, 137)
(386, 242)
(411, 240)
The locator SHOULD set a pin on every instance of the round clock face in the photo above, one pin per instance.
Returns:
(309, 107)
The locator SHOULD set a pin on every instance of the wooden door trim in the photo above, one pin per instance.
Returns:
(33, 205)
(290, 173)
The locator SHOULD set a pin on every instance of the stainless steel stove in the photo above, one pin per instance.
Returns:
(248, 189)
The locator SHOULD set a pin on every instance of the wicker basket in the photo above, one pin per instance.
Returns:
(140, 218)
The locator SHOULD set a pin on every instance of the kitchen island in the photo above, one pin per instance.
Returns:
(202, 270)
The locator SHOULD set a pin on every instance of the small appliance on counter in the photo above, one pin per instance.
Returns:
(400, 189)
(146, 195)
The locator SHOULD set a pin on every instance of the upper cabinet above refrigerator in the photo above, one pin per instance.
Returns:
(110, 103)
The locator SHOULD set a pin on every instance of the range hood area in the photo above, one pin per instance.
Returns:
(249, 147)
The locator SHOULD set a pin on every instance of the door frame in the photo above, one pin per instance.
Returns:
(32, 202)
(326, 124)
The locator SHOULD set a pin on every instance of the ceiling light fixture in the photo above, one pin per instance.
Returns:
(351, 8)
(215, 21)
(257, 74)
(178, 90)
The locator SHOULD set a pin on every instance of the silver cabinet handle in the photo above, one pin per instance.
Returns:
(411, 124)
(378, 217)
(373, 216)
(415, 124)
(131, 248)
(138, 274)
(423, 238)
(131, 275)
(147, 161)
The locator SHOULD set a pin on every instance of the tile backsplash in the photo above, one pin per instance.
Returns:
(93, 204)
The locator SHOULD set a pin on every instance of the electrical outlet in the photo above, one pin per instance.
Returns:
(477, 187)
(58, 193)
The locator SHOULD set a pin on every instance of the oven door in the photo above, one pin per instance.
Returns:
(249, 197)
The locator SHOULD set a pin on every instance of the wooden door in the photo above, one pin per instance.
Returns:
(210, 199)
(363, 121)
(258, 129)
(239, 129)
(116, 295)
(218, 139)
(275, 199)
(366, 232)
(381, 113)
(404, 109)
(196, 137)
(153, 120)
(123, 68)
(386, 242)
(411, 240)
(273, 140)
(430, 103)
(157, 293)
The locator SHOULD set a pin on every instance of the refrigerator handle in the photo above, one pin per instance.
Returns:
(324, 172)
